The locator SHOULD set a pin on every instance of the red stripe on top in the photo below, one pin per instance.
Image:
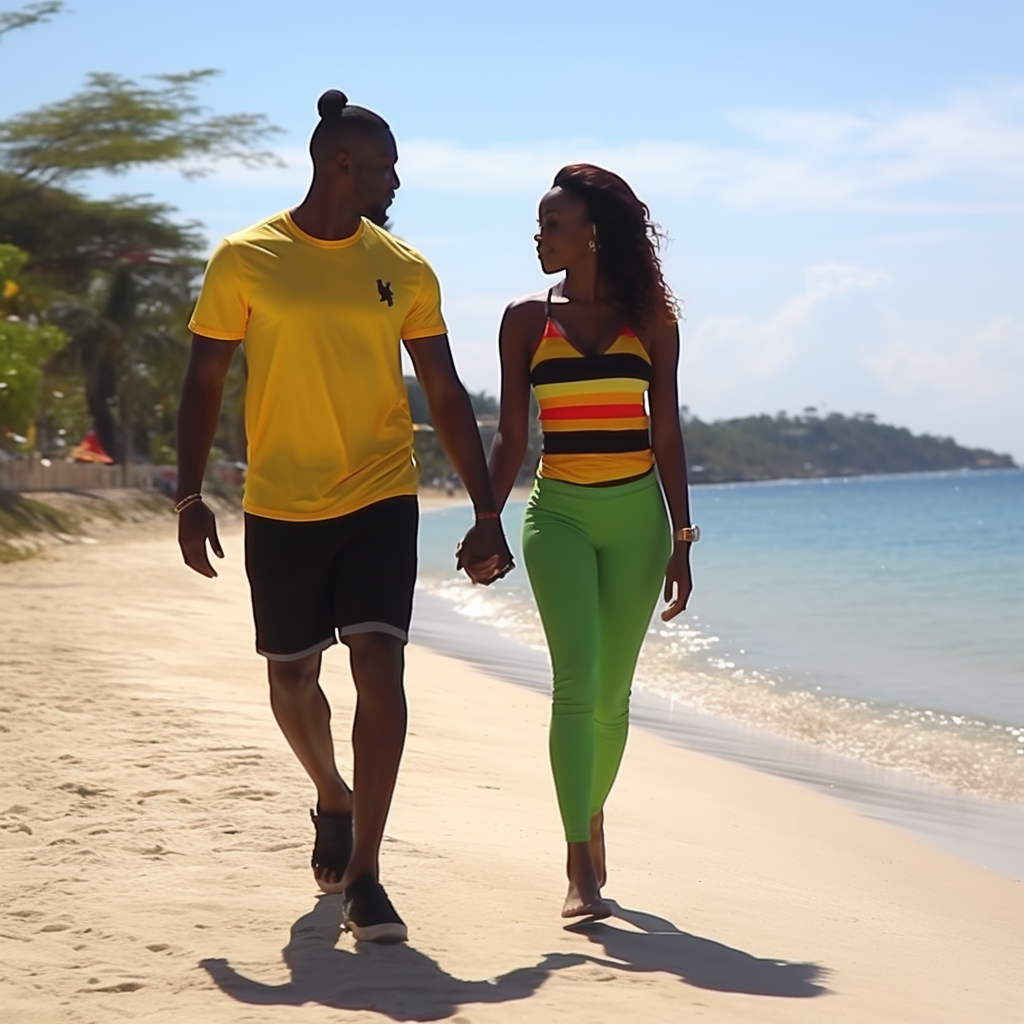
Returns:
(593, 412)
(551, 330)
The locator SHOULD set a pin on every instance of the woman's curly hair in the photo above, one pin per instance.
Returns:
(628, 244)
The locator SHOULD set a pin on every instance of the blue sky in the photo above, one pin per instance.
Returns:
(843, 184)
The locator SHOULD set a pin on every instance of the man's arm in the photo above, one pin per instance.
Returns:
(520, 325)
(455, 425)
(198, 413)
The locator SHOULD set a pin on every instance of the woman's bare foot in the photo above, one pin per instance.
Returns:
(597, 848)
(584, 896)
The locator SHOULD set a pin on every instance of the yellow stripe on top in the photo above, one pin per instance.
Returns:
(592, 409)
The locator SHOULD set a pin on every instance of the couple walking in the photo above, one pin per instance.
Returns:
(322, 297)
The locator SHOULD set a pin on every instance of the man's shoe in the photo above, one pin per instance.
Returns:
(369, 915)
(332, 848)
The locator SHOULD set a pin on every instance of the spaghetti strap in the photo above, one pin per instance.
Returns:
(547, 304)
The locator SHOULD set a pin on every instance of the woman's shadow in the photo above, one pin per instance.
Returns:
(404, 984)
(660, 946)
(397, 981)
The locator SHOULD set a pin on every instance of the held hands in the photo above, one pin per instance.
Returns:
(483, 553)
(678, 582)
(196, 526)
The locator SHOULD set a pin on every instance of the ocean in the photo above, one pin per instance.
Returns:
(876, 619)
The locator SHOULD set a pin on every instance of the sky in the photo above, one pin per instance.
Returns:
(842, 184)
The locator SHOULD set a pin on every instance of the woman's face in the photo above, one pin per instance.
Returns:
(564, 234)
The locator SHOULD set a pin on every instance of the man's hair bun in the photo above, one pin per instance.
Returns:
(332, 104)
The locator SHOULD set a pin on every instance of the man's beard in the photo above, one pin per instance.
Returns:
(379, 216)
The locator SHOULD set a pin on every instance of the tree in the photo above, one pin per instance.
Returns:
(115, 123)
(24, 348)
(118, 275)
(30, 14)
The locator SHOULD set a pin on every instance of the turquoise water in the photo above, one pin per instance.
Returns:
(880, 617)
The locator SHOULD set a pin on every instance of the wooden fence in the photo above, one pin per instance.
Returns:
(47, 475)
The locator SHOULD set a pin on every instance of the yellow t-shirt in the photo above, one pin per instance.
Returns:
(326, 409)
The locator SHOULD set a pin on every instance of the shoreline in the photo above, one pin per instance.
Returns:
(986, 832)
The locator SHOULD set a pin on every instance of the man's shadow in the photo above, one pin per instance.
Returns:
(703, 963)
(404, 984)
(397, 981)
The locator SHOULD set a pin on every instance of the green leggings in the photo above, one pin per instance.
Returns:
(596, 557)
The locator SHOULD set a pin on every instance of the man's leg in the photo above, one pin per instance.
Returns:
(378, 737)
(302, 712)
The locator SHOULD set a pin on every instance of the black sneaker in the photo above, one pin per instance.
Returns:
(369, 915)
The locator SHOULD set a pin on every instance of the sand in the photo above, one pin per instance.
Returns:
(154, 846)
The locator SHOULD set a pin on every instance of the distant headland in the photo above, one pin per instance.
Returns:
(806, 446)
(780, 447)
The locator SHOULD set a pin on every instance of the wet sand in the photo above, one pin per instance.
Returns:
(154, 846)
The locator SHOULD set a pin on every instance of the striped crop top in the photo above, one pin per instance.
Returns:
(596, 428)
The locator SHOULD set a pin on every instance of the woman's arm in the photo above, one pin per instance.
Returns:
(670, 456)
(521, 326)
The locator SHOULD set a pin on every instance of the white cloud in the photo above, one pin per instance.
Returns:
(979, 369)
(794, 159)
(964, 155)
(739, 346)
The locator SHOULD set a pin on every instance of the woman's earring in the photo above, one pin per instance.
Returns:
(593, 245)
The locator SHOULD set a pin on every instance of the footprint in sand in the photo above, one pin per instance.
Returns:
(83, 791)
(124, 986)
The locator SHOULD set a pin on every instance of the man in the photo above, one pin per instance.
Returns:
(322, 296)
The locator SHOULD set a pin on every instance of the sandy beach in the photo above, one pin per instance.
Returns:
(155, 839)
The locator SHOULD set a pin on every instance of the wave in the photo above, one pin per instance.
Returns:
(680, 663)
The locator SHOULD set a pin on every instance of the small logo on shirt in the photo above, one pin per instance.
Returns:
(385, 292)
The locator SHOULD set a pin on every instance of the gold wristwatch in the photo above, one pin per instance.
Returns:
(688, 534)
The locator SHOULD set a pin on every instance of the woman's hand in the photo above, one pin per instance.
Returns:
(678, 581)
(483, 553)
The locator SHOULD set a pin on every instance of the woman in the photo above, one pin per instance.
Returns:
(595, 538)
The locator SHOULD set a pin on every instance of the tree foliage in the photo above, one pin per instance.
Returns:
(29, 14)
(116, 123)
(25, 346)
(117, 277)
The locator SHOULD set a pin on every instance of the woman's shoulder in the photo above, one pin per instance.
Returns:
(527, 312)
(659, 333)
(529, 305)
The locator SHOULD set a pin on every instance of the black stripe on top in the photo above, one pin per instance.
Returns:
(567, 370)
(590, 442)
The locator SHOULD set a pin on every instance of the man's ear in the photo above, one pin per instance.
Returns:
(343, 163)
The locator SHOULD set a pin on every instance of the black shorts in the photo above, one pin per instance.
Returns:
(316, 582)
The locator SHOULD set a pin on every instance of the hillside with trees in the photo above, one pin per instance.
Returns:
(754, 447)
(809, 445)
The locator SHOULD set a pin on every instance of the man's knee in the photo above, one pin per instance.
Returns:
(294, 676)
(377, 659)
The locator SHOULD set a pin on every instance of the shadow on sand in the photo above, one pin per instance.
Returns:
(397, 981)
(404, 984)
(660, 946)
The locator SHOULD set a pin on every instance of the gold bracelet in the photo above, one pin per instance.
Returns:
(192, 499)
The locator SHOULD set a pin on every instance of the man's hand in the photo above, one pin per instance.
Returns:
(484, 553)
(678, 582)
(196, 526)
